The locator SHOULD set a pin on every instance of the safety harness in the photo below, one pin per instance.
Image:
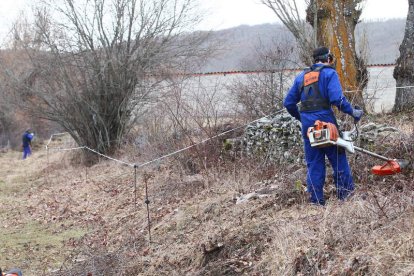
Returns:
(315, 101)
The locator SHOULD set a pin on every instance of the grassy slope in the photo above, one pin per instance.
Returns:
(27, 241)
(84, 220)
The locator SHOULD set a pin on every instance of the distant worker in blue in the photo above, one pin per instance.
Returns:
(317, 89)
(27, 143)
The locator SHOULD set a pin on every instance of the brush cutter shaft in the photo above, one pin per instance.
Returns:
(372, 154)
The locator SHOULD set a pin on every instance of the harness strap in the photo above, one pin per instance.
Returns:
(314, 101)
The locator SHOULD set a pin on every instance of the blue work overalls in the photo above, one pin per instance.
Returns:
(26, 141)
(330, 91)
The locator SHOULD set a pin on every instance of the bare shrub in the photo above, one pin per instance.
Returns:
(99, 62)
(260, 94)
(190, 119)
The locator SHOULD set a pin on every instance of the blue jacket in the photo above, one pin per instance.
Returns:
(27, 139)
(330, 89)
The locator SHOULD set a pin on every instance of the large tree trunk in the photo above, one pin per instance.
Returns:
(336, 21)
(404, 70)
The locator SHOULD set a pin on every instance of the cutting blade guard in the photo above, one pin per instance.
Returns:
(390, 167)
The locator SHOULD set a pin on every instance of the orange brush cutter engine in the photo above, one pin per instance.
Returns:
(324, 134)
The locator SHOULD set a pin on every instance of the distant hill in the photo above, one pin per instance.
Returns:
(383, 39)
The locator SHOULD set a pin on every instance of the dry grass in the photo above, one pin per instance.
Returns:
(27, 241)
(72, 220)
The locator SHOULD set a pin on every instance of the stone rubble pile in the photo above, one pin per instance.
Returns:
(277, 139)
(371, 131)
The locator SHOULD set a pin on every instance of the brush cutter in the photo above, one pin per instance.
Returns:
(324, 134)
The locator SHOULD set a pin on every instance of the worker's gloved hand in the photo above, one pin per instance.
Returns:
(357, 113)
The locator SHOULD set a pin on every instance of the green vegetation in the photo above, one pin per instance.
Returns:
(28, 238)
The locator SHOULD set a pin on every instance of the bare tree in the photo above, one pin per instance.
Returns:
(14, 119)
(260, 93)
(288, 12)
(100, 61)
(404, 70)
(333, 24)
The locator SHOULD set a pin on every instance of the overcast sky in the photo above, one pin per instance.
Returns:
(231, 13)
(224, 14)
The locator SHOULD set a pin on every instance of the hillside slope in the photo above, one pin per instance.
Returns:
(378, 40)
(62, 218)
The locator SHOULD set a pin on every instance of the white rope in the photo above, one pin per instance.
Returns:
(134, 165)
(205, 140)
(401, 87)
(110, 158)
(51, 137)
(380, 89)
(65, 149)
(83, 147)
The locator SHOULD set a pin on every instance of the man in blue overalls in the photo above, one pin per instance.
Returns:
(27, 143)
(317, 89)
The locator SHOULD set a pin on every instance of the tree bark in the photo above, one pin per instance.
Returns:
(337, 20)
(404, 69)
